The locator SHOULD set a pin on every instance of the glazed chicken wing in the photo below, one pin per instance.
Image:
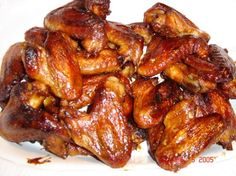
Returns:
(129, 44)
(79, 23)
(98, 7)
(24, 120)
(188, 132)
(189, 78)
(90, 86)
(182, 144)
(225, 69)
(53, 62)
(168, 22)
(104, 129)
(144, 30)
(221, 105)
(229, 88)
(163, 52)
(152, 101)
(12, 71)
(105, 61)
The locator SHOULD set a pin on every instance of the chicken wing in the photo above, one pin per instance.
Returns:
(182, 143)
(105, 61)
(80, 23)
(152, 101)
(98, 7)
(53, 62)
(225, 69)
(144, 30)
(229, 88)
(221, 105)
(90, 86)
(163, 52)
(104, 129)
(168, 22)
(188, 77)
(189, 130)
(24, 120)
(12, 71)
(130, 44)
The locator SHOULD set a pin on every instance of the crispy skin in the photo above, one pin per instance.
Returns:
(130, 44)
(152, 101)
(144, 30)
(168, 22)
(12, 70)
(98, 7)
(36, 35)
(225, 69)
(105, 61)
(104, 129)
(24, 120)
(229, 88)
(79, 23)
(221, 105)
(154, 136)
(90, 86)
(182, 143)
(188, 77)
(53, 62)
(190, 127)
(201, 65)
(163, 52)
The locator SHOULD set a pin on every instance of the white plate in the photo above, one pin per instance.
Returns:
(16, 16)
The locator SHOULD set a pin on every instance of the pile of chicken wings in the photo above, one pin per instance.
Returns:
(83, 85)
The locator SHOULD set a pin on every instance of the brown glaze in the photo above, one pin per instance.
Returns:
(144, 30)
(12, 70)
(104, 129)
(163, 52)
(152, 101)
(189, 78)
(130, 44)
(168, 22)
(79, 23)
(53, 62)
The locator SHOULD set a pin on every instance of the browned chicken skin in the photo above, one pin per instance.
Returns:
(98, 7)
(229, 88)
(104, 129)
(80, 24)
(130, 44)
(225, 69)
(53, 62)
(180, 138)
(152, 101)
(144, 30)
(188, 78)
(163, 52)
(24, 120)
(183, 142)
(105, 61)
(82, 86)
(12, 71)
(168, 22)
